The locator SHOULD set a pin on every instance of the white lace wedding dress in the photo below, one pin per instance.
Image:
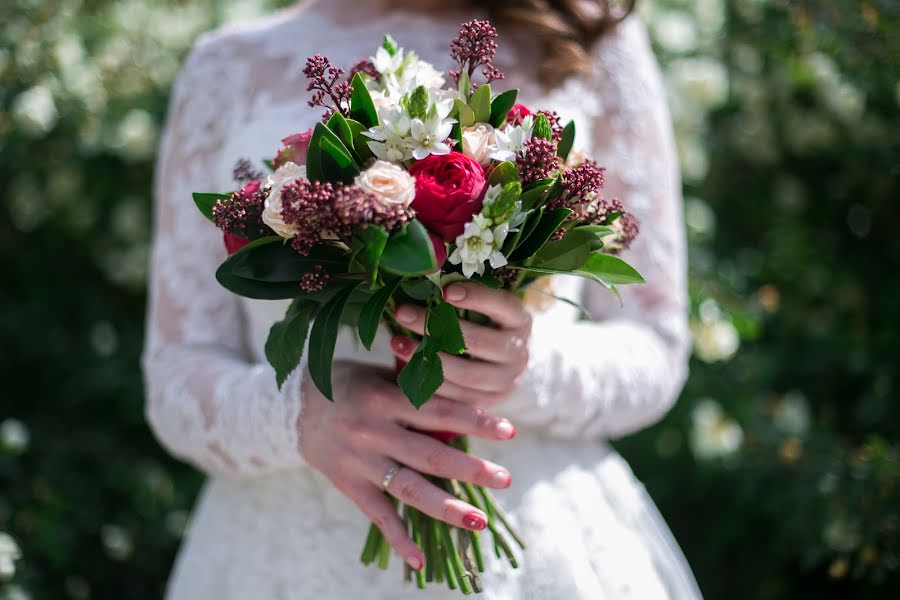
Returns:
(267, 526)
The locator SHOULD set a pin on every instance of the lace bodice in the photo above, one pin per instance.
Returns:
(212, 399)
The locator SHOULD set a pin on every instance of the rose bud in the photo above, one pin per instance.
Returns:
(517, 113)
(449, 189)
(294, 148)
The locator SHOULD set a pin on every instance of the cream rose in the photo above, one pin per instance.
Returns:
(271, 216)
(478, 142)
(388, 182)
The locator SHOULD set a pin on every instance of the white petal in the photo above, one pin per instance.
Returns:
(455, 258)
(497, 259)
(468, 269)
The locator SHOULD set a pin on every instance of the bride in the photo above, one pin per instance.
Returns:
(294, 480)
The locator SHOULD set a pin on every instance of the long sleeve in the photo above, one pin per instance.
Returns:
(206, 401)
(623, 369)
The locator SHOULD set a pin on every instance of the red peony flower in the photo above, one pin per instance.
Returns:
(517, 113)
(449, 190)
(294, 148)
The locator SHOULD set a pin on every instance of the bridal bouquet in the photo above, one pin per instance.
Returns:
(407, 185)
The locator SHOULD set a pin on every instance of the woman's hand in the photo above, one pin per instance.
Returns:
(496, 357)
(355, 440)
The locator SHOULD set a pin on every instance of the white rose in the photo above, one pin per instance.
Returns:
(478, 142)
(388, 182)
(271, 216)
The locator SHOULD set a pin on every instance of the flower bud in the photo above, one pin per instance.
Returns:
(542, 128)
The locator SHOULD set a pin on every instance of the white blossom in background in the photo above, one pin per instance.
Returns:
(9, 554)
(703, 81)
(135, 136)
(34, 110)
(117, 541)
(15, 592)
(713, 434)
(715, 337)
(675, 31)
(791, 414)
(14, 436)
(699, 217)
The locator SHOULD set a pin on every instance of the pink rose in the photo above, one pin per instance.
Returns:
(294, 148)
(517, 113)
(449, 189)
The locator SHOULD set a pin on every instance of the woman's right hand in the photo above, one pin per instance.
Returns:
(355, 440)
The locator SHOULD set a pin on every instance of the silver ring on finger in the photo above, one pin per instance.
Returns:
(388, 477)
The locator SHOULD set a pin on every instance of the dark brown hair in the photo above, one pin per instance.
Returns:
(567, 28)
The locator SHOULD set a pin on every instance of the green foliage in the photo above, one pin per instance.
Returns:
(423, 374)
(323, 338)
(409, 252)
(784, 114)
(284, 346)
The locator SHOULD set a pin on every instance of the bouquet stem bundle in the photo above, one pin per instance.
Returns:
(458, 563)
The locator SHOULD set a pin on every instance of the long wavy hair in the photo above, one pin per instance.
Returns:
(567, 28)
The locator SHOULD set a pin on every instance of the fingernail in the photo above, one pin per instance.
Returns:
(474, 521)
(405, 314)
(455, 293)
(400, 344)
(415, 562)
(506, 430)
(502, 478)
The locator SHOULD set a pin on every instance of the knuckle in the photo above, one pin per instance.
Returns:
(449, 513)
(436, 458)
(443, 409)
(411, 493)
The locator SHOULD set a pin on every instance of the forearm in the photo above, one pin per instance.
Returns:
(597, 379)
(221, 413)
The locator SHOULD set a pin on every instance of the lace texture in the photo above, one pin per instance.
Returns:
(267, 526)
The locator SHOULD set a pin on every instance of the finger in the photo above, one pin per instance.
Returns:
(474, 374)
(443, 414)
(503, 307)
(454, 391)
(487, 343)
(427, 455)
(411, 488)
(382, 513)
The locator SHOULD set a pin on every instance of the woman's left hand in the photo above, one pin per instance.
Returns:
(495, 357)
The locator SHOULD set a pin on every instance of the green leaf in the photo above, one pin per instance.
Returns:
(610, 268)
(464, 86)
(341, 128)
(284, 347)
(566, 140)
(257, 290)
(444, 329)
(322, 340)
(371, 314)
(566, 254)
(501, 105)
(360, 142)
(465, 112)
(481, 103)
(337, 162)
(271, 259)
(535, 194)
(270, 164)
(362, 108)
(368, 244)
(409, 252)
(549, 223)
(503, 173)
(418, 290)
(598, 230)
(422, 375)
(206, 201)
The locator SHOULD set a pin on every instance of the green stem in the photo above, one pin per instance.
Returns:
(371, 546)
(437, 553)
(459, 572)
(415, 521)
(384, 554)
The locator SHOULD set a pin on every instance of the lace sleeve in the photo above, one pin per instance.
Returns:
(624, 369)
(206, 402)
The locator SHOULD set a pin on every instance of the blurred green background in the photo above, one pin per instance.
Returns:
(778, 470)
